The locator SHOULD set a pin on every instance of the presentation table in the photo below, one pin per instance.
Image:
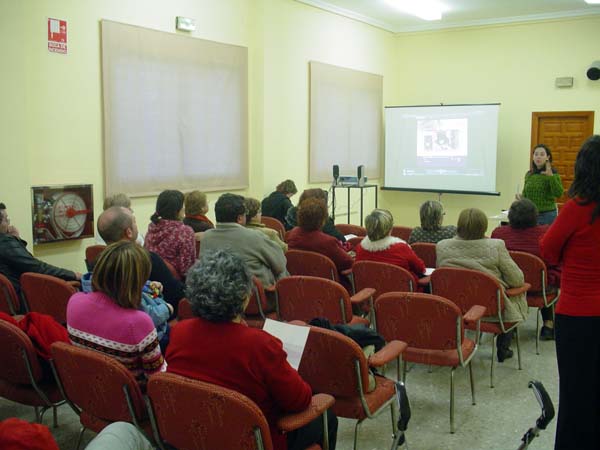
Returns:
(348, 188)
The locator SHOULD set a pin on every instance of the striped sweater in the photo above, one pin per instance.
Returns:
(95, 321)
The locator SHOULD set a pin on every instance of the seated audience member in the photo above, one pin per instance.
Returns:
(118, 224)
(125, 202)
(120, 436)
(168, 236)
(108, 319)
(380, 246)
(312, 214)
(277, 203)
(253, 216)
(264, 258)
(216, 347)
(431, 229)
(291, 218)
(196, 207)
(523, 235)
(470, 249)
(16, 260)
(18, 434)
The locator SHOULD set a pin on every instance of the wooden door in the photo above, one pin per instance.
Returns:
(563, 132)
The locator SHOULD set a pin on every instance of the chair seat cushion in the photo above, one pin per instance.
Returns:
(351, 407)
(438, 357)
(27, 395)
(491, 327)
(359, 320)
(535, 299)
(258, 321)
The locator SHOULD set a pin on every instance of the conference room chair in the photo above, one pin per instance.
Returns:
(304, 262)
(22, 378)
(197, 249)
(172, 270)
(425, 251)
(434, 329)
(184, 309)
(46, 294)
(401, 232)
(348, 228)
(274, 224)
(305, 298)
(98, 388)
(334, 364)
(9, 303)
(225, 420)
(467, 288)
(91, 255)
(260, 307)
(539, 295)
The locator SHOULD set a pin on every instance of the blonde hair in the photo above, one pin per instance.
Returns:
(195, 203)
(117, 200)
(379, 224)
(431, 213)
(472, 224)
(121, 271)
(252, 208)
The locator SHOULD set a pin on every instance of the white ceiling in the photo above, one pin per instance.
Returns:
(459, 13)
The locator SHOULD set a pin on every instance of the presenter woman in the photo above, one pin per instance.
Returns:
(542, 185)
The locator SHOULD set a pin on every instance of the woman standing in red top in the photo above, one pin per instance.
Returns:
(574, 240)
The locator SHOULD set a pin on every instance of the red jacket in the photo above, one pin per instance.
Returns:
(390, 250)
(247, 360)
(42, 329)
(319, 242)
(575, 243)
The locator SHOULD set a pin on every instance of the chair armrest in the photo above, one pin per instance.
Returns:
(318, 405)
(298, 322)
(424, 281)
(512, 292)
(388, 353)
(362, 295)
(474, 314)
(347, 272)
(269, 288)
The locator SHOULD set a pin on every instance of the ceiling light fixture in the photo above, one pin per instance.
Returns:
(424, 9)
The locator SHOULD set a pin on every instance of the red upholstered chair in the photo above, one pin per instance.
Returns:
(47, 295)
(334, 364)
(258, 308)
(184, 309)
(433, 328)
(274, 224)
(99, 388)
(348, 228)
(426, 251)
(401, 232)
(304, 298)
(539, 295)
(91, 255)
(225, 420)
(21, 377)
(467, 288)
(172, 270)
(9, 301)
(197, 249)
(303, 262)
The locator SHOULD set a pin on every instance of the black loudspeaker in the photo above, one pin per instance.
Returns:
(593, 73)
(336, 174)
(360, 175)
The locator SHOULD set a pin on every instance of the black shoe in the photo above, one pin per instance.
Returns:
(547, 333)
(504, 353)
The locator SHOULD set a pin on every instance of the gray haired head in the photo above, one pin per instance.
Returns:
(218, 285)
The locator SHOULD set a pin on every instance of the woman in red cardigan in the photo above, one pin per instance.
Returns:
(217, 348)
(574, 241)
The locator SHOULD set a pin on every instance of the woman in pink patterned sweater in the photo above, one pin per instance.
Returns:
(108, 319)
(168, 236)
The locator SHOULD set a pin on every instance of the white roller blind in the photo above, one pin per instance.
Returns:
(345, 121)
(175, 112)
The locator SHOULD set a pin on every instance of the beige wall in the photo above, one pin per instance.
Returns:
(51, 115)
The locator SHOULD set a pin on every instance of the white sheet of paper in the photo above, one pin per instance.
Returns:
(350, 236)
(293, 338)
(429, 271)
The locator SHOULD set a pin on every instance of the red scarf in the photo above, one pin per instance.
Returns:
(201, 218)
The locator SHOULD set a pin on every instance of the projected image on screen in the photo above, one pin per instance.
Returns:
(446, 138)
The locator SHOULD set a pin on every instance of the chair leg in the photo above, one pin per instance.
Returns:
(394, 413)
(472, 382)
(493, 358)
(356, 429)
(54, 417)
(519, 348)
(537, 331)
(80, 437)
(404, 366)
(38, 419)
(452, 400)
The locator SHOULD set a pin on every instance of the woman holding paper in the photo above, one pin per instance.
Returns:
(216, 347)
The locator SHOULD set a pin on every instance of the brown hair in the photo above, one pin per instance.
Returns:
(379, 224)
(287, 187)
(121, 271)
(312, 214)
(252, 208)
(313, 193)
(195, 203)
(472, 224)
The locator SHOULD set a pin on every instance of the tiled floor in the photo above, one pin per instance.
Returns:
(498, 421)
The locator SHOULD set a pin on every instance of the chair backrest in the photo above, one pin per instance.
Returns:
(274, 224)
(304, 298)
(533, 268)
(197, 249)
(194, 415)
(466, 287)
(303, 262)
(14, 343)
(47, 294)
(258, 300)
(421, 320)
(172, 270)
(9, 301)
(184, 309)
(401, 232)
(348, 228)
(94, 382)
(92, 252)
(329, 364)
(382, 277)
(425, 251)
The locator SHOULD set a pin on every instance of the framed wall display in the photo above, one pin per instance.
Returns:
(62, 212)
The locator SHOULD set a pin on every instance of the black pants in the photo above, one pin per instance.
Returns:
(546, 313)
(503, 340)
(313, 433)
(578, 354)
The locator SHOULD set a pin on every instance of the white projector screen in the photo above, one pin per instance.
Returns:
(450, 148)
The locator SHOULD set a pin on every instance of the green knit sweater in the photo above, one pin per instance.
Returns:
(543, 190)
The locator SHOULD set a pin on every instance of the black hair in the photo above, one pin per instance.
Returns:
(586, 185)
(534, 169)
(168, 205)
(522, 214)
(229, 207)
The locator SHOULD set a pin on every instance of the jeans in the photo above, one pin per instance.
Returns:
(547, 217)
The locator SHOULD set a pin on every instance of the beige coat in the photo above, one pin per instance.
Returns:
(270, 233)
(489, 256)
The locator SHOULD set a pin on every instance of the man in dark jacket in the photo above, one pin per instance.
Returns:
(277, 203)
(16, 260)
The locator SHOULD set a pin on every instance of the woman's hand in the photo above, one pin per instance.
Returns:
(548, 170)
